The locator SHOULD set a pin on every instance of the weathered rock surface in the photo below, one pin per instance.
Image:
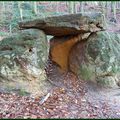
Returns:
(95, 57)
(98, 58)
(60, 48)
(71, 24)
(22, 61)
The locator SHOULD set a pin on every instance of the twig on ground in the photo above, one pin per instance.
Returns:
(45, 98)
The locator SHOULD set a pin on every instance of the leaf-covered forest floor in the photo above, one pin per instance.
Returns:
(73, 99)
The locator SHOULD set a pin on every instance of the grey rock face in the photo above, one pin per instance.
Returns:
(71, 24)
(98, 58)
(22, 60)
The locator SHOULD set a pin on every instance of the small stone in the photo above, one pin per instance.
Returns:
(118, 113)
(76, 101)
(25, 117)
(33, 116)
(83, 100)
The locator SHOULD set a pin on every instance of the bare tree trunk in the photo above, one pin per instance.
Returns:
(103, 6)
(57, 5)
(71, 7)
(111, 6)
(3, 10)
(76, 8)
(3, 6)
(107, 8)
(35, 7)
(114, 10)
(67, 6)
(10, 29)
(75, 5)
(81, 7)
(21, 11)
(100, 3)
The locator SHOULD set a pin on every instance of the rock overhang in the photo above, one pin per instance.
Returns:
(70, 24)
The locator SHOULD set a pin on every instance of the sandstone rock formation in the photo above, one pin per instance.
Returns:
(67, 24)
(98, 58)
(22, 61)
(60, 48)
(80, 44)
(79, 47)
(68, 30)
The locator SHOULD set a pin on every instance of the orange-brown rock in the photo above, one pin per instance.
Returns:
(60, 48)
(77, 56)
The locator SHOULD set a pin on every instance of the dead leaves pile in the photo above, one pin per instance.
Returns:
(61, 102)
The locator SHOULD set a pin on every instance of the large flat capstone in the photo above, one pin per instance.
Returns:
(71, 24)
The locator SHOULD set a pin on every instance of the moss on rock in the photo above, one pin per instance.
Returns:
(101, 52)
(23, 56)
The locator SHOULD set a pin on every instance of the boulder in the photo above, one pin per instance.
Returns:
(97, 59)
(22, 60)
(63, 25)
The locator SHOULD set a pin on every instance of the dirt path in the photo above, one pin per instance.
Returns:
(92, 101)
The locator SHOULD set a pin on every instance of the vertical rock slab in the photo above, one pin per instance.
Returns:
(98, 59)
(22, 60)
(78, 62)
